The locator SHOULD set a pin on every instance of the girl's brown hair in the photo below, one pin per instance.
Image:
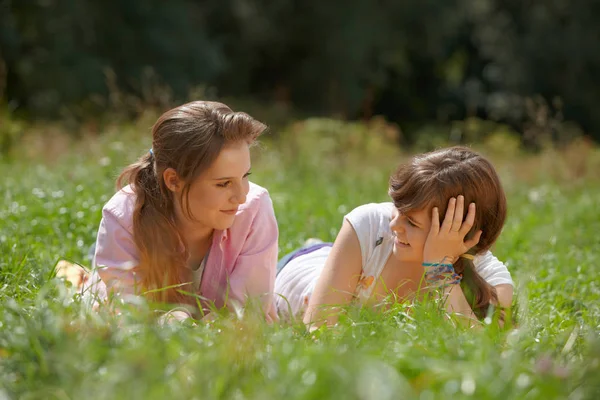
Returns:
(188, 139)
(431, 179)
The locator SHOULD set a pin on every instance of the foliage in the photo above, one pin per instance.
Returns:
(11, 130)
(413, 61)
(316, 171)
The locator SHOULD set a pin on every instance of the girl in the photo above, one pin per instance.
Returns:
(386, 248)
(189, 223)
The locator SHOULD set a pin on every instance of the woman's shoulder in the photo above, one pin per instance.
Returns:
(258, 197)
(121, 205)
(255, 215)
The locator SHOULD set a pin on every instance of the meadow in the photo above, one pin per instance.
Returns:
(51, 347)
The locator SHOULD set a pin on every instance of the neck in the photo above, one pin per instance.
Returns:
(414, 266)
(193, 234)
(411, 264)
(405, 265)
(197, 241)
(400, 265)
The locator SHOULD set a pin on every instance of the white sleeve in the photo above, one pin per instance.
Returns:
(492, 270)
(365, 220)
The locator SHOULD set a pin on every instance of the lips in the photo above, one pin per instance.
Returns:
(229, 212)
(400, 242)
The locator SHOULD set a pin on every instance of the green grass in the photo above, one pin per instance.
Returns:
(53, 348)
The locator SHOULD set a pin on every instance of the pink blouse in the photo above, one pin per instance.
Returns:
(241, 263)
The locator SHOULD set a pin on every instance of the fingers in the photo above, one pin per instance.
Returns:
(435, 221)
(458, 213)
(474, 240)
(469, 220)
(449, 217)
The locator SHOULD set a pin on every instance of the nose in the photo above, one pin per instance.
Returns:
(396, 222)
(239, 193)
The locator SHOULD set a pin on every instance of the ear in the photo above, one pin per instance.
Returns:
(172, 180)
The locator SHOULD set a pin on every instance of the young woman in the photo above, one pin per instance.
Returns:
(404, 247)
(189, 225)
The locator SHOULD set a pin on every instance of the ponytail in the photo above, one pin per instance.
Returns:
(161, 250)
(478, 292)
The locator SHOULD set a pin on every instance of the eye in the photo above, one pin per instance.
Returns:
(411, 223)
(247, 175)
(224, 184)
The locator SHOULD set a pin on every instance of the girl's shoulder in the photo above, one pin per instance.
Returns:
(372, 216)
(371, 223)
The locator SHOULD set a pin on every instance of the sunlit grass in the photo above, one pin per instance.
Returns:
(52, 347)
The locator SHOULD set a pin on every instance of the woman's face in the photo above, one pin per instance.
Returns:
(410, 233)
(215, 196)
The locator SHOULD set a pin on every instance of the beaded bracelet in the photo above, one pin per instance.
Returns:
(441, 274)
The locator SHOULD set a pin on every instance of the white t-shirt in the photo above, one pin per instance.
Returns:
(295, 283)
(197, 274)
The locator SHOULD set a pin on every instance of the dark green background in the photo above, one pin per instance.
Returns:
(413, 61)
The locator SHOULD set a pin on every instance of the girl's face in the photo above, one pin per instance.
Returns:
(410, 233)
(215, 196)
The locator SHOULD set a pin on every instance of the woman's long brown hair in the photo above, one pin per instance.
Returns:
(431, 179)
(188, 139)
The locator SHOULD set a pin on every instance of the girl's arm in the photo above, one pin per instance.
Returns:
(456, 302)
(505, 294)
(337, 283)
(494, 272)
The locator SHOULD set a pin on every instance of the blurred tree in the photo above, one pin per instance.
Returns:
(58, 51)
(414, 61)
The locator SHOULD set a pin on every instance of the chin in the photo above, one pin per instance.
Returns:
(224, 223)
(402, 255)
